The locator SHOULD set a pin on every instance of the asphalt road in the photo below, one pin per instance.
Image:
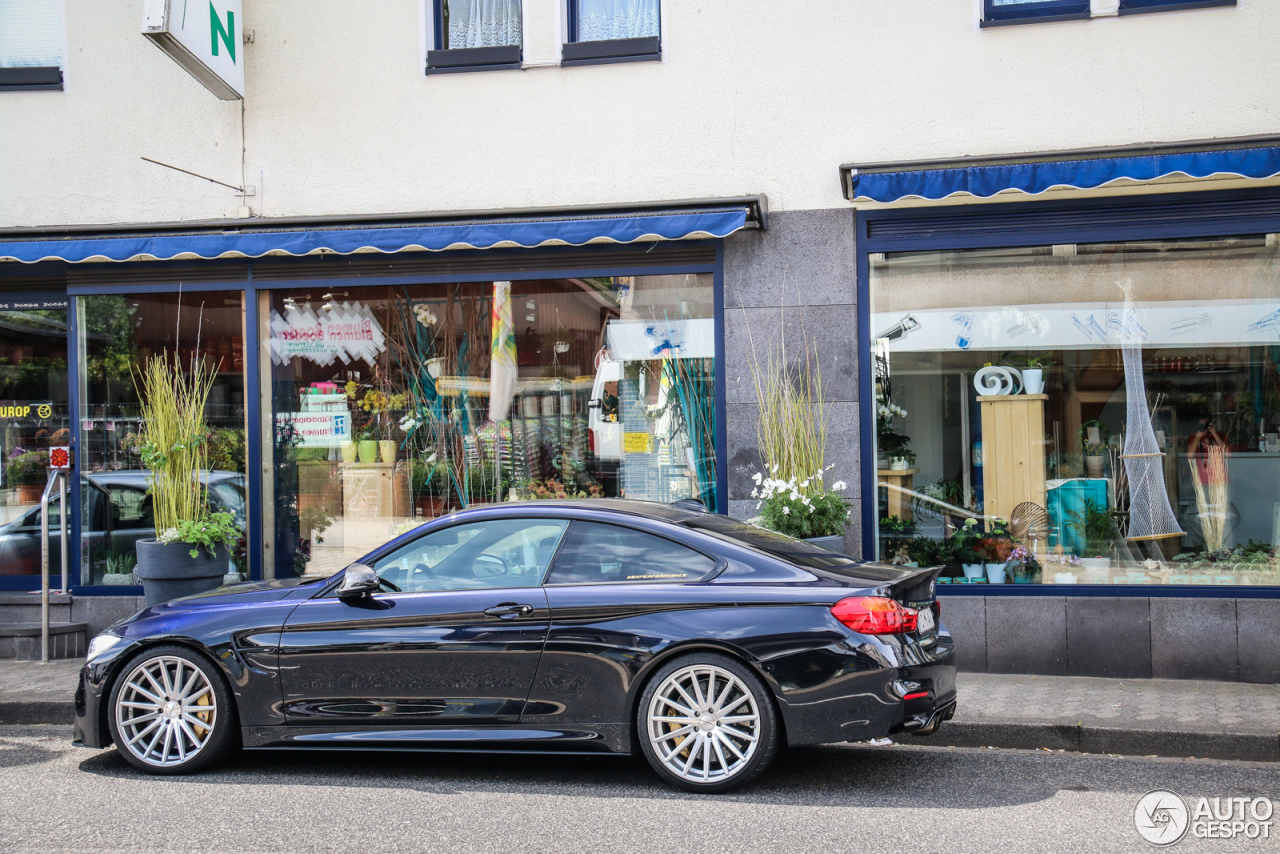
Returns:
(843, 799)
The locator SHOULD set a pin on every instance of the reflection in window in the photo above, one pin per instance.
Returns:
(494, 554)
(396, 405)
(1105, 413)
(601, 20)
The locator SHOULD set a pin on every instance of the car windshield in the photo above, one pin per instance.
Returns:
(781, 546)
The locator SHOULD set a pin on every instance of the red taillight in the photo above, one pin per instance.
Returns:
(591, 442)
(874, 615)
(916, 696)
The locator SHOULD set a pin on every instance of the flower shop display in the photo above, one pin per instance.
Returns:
(805, 508)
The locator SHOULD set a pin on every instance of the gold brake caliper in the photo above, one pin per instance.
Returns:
(204, 716)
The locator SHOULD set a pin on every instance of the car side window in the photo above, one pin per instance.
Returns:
(131, 508)
(498, 553)
(596, 553)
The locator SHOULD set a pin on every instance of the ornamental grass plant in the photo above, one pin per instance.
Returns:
(173, 440)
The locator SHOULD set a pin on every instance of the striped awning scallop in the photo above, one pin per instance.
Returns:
(982, 177)
(257, 240)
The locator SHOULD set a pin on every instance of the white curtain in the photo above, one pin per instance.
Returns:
(616, 19)
(483, 23)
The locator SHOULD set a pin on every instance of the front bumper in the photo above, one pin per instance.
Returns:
(90, 728)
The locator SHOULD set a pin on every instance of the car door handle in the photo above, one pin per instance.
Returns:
(508, 610)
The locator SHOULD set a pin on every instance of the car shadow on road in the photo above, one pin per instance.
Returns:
(831, 775)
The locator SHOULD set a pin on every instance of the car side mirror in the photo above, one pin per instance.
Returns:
(358, 581)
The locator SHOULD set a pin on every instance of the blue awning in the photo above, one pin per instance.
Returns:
(1033, 174)
(256, 241)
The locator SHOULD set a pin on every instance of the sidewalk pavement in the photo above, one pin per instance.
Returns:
(1142, 717)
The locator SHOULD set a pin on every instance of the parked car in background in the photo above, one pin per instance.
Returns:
(115, 513)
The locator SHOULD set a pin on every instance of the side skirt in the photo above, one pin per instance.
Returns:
(590, 738)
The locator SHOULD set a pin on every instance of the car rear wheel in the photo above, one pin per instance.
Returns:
(171, 712)
(707, 723)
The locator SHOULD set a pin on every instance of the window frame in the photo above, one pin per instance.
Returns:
(443, 60)
(1144, 7)
(575, 52)
(718, 562)
(1029, 12)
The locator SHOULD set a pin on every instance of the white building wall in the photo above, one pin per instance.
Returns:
(752, 96)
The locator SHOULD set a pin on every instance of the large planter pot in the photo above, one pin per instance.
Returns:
(1033, 381)
(368, 450)
(1093, 465)
(995, 573)
(30, 493)
(833, 543)
(387, 448)
(118, 578)
(168, 571)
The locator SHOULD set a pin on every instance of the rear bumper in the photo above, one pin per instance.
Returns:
(868, 688)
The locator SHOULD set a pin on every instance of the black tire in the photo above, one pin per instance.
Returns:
(206, 737)
(714, 738)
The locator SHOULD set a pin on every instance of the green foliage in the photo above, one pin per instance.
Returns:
(173, 438)
(894, 445)
(28, 467)
(207, 532)
(802, 509)
(926, 551)
(226, 450)
(1098, 526)
(962, 547)
(120, 563)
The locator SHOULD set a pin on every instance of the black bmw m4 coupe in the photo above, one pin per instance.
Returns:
(606, 626)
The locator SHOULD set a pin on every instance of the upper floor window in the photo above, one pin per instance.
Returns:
(31, 45)
(1132, 7)
(997, 12)
(476, 35)
(613, 31)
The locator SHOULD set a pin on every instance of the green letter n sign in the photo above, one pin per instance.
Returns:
(216, 30)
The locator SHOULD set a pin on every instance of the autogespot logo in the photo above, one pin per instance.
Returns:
(1161, 817)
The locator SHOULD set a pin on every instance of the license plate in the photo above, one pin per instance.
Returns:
(924, 621)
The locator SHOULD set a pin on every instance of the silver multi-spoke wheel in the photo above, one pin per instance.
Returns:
(166, 711)
(703, 724)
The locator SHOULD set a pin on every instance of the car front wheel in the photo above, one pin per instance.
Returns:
(171, 712)
(707, 723)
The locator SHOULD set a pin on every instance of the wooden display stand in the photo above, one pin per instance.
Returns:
(894, 504)
(1013, 461)
(374, 490)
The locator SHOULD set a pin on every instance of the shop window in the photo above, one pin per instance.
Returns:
(602, 31)
(392, 406)
(1133, 7)
(475, 35)
(1081, 414)
(32, 35)
(118, 336)
(999, 12)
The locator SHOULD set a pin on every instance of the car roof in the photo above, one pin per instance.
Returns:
(630, 507)
(138, 477)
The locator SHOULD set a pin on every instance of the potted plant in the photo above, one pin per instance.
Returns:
(1094, 437)
(190, 553)
(925, 551)
(805, 509)
(1023, 566)
(118, 569)
(1099, 528)
(1033, 373)
(963, 545)
(995, 549)
(27, 470)
(895, 533)
(896, 449)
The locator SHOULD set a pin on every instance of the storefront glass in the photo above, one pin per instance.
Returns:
(1112, 410)
(34, 416)
(389, 406)
(118, 335)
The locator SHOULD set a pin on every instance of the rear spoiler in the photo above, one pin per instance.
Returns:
(914, 589)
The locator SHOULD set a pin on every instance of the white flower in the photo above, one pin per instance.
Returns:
(774, 470)
(757, 477)
(755, 493)
(795, 496)
(839, 486)
(786, 511)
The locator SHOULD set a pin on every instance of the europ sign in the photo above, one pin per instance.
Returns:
(203, 36)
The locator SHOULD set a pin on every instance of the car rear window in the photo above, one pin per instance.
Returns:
(781, 546)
